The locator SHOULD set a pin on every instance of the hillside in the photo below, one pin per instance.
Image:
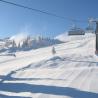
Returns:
(70, 73)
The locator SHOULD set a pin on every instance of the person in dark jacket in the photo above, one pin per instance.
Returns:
(53, 51)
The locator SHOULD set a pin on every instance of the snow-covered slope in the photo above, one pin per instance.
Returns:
(65, 37)
(70, 73)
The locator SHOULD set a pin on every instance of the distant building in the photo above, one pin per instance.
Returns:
(8, 43)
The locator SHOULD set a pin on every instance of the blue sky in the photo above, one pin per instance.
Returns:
(15, 20)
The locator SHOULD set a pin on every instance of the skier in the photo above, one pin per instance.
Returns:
(53, 51)
(14, 55)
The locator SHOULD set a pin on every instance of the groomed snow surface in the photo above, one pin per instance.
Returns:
(70, 73)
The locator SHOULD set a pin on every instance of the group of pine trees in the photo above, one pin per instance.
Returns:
(34, 43)
(26, 43)
(29, 42)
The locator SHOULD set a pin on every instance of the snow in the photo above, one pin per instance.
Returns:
(62, 37)
(70, 73)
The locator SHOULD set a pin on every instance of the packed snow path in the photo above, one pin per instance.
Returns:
(71, 73)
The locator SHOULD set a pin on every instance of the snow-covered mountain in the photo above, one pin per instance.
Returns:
(70, 73)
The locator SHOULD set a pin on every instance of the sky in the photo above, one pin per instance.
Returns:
(15, 20)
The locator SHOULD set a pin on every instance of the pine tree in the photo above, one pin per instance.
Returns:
(13, 44)
(18, 45)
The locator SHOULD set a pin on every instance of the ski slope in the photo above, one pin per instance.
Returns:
(71, 73)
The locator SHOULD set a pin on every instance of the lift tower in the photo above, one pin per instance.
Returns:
(96, 32)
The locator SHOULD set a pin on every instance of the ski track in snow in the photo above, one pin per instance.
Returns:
(71, 73)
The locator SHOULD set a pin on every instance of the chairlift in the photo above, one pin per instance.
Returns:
(76, 31)
(96, 32)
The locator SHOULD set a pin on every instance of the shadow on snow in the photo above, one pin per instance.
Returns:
(6, 96)
(54, 90)
(44, 89)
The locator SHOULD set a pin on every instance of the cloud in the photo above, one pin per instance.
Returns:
(23, 33)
